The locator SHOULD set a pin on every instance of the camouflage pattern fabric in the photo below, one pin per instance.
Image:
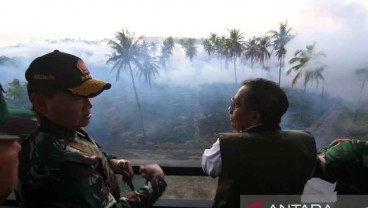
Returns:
(344, 150)
(67, 169)
(345, 161)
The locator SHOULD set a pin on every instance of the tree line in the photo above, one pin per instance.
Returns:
(140, 58)
(136, 54)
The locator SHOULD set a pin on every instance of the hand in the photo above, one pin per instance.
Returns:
(9, 150)
(126, 170)
(130, 195)
(150, 170)
(123, 167)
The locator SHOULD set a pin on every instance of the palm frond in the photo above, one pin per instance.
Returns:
(296, 78)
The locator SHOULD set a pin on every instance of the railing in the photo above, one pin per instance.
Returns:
(173, 203)
(161, 203)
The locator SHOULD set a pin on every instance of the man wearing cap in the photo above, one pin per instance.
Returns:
(9, 149)
(66, 167)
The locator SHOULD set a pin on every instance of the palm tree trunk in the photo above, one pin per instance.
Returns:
(236, 78)
(322, 94)
(355, 118)
(280, 71)
(138, 104)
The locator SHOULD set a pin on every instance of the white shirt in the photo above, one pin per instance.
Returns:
(211, 158)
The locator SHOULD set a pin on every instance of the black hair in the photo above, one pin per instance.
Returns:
(47, 91)
(267, 98)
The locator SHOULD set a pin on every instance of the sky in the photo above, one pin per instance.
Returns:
(43, 19)
(338, 27)
(24, 20)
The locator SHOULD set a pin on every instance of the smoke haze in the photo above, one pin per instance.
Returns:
(339, 29)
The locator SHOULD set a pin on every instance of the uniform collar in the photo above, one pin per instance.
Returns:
(49, 127)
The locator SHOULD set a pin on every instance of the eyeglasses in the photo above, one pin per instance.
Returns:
(233, 105)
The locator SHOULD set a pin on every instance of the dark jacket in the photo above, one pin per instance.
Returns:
(263, 162)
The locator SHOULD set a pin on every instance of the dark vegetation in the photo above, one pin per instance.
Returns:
(181, 121)
(180, 116)
(143, 121)
(140, 119)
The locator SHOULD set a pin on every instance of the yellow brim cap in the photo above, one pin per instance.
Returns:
(90, 88)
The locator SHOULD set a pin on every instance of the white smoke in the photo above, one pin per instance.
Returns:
(337, 27)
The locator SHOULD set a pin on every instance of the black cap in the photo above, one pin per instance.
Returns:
(64, 71)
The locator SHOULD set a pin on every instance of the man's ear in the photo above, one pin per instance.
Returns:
(256, 117)
(39, 103)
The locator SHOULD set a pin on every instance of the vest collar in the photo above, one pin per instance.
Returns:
(260, 128)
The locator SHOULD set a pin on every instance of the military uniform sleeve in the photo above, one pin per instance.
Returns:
(337, 154)
(321, 170)
(145, 196)
(86, 187)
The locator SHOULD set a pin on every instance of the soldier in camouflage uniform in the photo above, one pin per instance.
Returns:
(61, 166)
(345, 162)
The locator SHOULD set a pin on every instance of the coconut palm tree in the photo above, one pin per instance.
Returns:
(218, 44)
(222, 53)
(251, 51)
(263, 45)
(189, 46)
(362, 73)
(208, 47)
(165, 57)
(153, 48)
(166, 51)
(149, 65)
(169, 44)
(214, 44)
(213, 38)
(234, 47)
(127, 51)
(306, 63)
(279, 39)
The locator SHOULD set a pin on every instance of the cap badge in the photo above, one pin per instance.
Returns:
(82, 67)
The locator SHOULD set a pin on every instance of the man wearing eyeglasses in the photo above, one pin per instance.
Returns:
(260, 158)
